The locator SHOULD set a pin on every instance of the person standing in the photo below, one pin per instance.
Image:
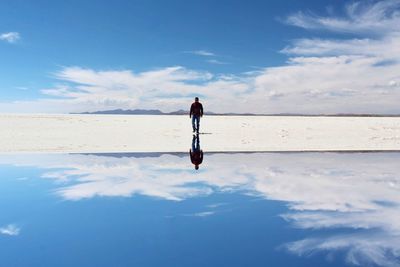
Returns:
(196, 111)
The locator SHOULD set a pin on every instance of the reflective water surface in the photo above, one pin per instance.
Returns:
(240, 209)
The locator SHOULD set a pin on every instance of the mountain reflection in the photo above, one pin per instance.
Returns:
(356, 191)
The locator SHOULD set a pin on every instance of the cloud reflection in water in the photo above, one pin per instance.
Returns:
(358, 191)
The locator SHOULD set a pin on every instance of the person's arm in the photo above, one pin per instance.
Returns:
(201, 157)
(191, 110)
(201, 110)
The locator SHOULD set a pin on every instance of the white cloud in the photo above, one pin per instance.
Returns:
(313, 182)
(385, 49)
(10, 229)
(363, 249)
(10, 37)
(358, 191)
(201, 53)
(366, 17)
(203, 214)
(351, 75)
(217, 62)
(333, 84)
(216, 205)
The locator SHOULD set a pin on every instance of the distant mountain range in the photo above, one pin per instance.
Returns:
(158, 112)
(185, 112)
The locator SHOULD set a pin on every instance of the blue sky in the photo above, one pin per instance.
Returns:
(53, 53)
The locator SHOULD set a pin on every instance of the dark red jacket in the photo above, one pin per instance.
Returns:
(196, 157)
(196, 109)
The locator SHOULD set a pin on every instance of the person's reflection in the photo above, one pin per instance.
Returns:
(196, 154)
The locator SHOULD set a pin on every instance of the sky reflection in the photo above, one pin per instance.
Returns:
(346, 204)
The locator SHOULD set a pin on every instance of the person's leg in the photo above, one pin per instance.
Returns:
(193, 143)
(193, 123)
(198, 123)
(198, 142)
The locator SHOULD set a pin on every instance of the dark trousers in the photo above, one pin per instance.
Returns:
(196, 123)
(195, 144)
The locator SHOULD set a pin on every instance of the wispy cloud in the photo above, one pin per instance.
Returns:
(10, 37)
(216, 205)
(10, 229)
(363, 249)
(203, 214)
(201, 53)
(217, 62)
(378, 17)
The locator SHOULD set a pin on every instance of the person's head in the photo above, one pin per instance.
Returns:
(196, 99)
(196, 166)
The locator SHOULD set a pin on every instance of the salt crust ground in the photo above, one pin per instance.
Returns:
(146, 133)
